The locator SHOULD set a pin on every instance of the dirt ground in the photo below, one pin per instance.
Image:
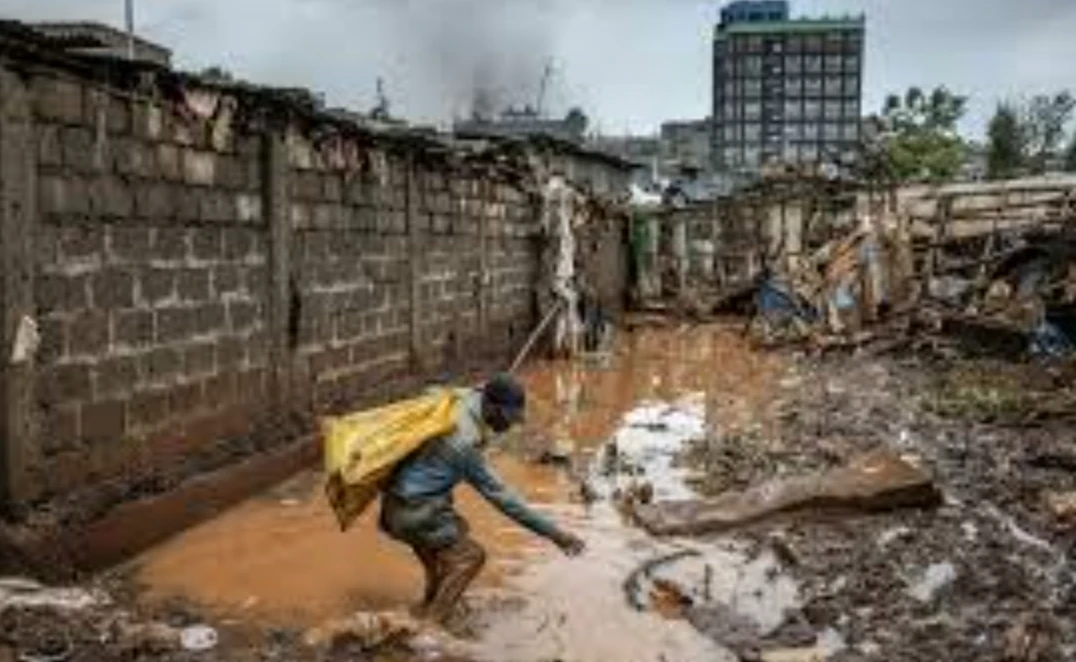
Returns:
(692, 411)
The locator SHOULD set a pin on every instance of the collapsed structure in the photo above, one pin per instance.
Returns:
(832, 259)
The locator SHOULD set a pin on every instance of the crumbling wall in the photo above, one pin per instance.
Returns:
(210, 268)
(150, 286)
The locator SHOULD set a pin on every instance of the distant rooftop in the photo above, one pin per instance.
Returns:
(100, 40)
(769, 16)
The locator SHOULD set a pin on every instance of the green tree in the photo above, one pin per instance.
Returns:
(1005, 147)
(919, 134)
(1043, 127)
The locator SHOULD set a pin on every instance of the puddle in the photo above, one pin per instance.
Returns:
(279, 560)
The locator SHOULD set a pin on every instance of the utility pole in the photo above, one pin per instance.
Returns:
(129, 10)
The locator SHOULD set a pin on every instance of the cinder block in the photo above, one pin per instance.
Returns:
(157, 285)
(193, 284)
(199, 168)
(242, 315)
(90, 334)
(132, 329)
(59, 428)
(53, 348)
(209, 318)
(113, 288)
(66, 196)
(226, 280)
(163, 364)
(57, 99)
(169, 162)
(61, 294)
(78, 147)
(104, 422)
(111, 197)
(127, 243)
(201, 358)
(171, 245)
(149, 408)
(174, 324)
(115, 377)
(155, 201)
(64, 383)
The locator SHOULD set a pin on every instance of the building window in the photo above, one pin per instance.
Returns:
(795, 43)
(851, 63)
(752, 110)
(732, 156)
(732, 133)
(851, 109)
(752, 88)
(812, 64)
(832, 132)
(833, 64)
(752, 132)
(751, 157)
(833, 86)
(752, 65)
(809, 152)
(810, 131)
(832, 109)
(754, 44)
(793, 131)
(850, 131)
(730, 90)
(793, 109)
(812, 43)
(812, 86)
(834, 42)
(792, 86)
(794, 64)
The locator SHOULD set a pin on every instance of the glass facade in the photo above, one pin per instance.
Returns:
(786, 90)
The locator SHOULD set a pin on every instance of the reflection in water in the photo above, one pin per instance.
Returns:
(278, 559)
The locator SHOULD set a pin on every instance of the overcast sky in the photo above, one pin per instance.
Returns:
(629, 63)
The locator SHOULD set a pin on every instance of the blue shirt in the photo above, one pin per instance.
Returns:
(442, 463)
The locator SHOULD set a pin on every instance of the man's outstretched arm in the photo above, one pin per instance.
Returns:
(479, 475)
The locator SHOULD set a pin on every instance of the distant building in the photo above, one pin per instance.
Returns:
(526, 122)
(99, 40)
(785, 89)
(686, 144)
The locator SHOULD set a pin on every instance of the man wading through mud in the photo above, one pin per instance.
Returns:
(417, 507)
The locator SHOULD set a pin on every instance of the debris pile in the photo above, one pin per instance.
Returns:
(995, 277)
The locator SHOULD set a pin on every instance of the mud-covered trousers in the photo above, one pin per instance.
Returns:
(440, 538)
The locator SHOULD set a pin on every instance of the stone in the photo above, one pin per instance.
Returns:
(1062, 505)
(877, 481)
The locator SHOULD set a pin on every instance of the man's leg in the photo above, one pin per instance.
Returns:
(457, 566)
(429, 559)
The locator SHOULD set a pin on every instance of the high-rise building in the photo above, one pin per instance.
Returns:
(785, 89)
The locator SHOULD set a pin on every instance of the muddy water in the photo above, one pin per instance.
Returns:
(278, 559)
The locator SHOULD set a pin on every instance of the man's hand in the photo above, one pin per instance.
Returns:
(570, 544)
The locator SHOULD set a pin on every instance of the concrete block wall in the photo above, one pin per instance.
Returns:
(150, 286)
(209, 272)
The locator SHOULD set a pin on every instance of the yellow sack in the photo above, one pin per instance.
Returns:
(361, 449)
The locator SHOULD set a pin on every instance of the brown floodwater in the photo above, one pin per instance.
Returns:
(279, 559)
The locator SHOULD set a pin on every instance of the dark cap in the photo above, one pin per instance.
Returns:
(503, 390)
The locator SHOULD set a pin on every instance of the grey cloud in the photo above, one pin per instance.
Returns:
(631, 63)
